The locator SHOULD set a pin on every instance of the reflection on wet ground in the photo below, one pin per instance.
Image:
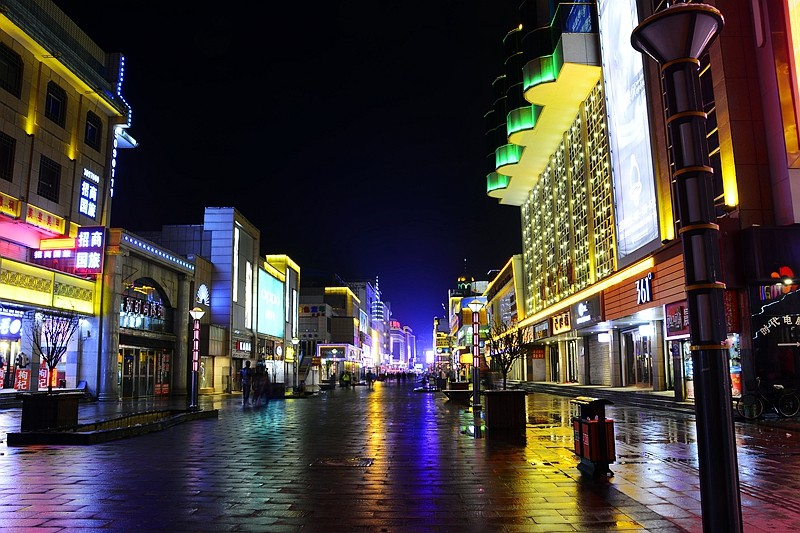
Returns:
(387, 460)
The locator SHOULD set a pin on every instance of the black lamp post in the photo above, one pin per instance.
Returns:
(475, 306)
(676, 38)
(194, 385)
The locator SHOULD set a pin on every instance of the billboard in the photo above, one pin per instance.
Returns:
(628, 128)
(270, 305)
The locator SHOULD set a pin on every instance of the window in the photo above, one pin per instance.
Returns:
(55, 107)
(8, 146)
(10, 70)
(94, 130)
(49, 179)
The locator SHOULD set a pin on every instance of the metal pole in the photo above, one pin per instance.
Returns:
(194, 382)
(686, 123)
(476, 362)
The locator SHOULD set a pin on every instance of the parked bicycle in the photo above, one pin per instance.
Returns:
(783, 401)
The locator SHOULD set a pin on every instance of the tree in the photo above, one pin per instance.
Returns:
(50, 336)
(506, 346)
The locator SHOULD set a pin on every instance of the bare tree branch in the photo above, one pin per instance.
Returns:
(507, 345)
(50, 336)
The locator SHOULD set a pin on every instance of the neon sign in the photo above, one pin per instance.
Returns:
(89, 250)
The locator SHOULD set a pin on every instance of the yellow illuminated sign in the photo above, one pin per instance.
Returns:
(42, 219)
(9, 205)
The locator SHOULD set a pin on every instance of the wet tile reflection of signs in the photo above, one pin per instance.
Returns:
(343, 461)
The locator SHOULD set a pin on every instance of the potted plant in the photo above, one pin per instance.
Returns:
(50, 336)
(505, 409)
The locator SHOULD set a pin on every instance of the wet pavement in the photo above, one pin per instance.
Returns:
(388, 460)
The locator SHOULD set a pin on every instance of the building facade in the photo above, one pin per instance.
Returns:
(578, 143)
(64, 121)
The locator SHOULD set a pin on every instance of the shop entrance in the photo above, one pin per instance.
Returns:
(572, 361)
(638, 357)
(555, 364)
(143, 372)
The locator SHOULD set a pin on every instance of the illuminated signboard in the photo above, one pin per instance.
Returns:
(42, 219)
(270, 305)
(88, 201)
(89, 250)
(9, 205)
(561, 322)
(628, 128)
(676, 316)
(644, 289)
(587, 312)
(10, 327)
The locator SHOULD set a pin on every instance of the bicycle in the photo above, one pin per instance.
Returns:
(784, 402)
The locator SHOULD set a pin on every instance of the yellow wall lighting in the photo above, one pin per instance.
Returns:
(729, 184)
(56, 244)
(610, 281)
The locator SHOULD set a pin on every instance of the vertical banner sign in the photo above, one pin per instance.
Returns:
(628, 127)
(90, 250)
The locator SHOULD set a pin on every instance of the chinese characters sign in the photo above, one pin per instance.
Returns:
(677, 318)
(42, 219)
(89, 250)
(562, 322)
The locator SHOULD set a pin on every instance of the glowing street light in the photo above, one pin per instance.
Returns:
(475, 306)
(197, 314)
(676, 38)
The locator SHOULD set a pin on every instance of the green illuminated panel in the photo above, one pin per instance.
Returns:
(543, 69)
(508, 154)
(496, 181)
(522, 119)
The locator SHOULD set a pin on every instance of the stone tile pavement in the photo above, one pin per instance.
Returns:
(388, 460)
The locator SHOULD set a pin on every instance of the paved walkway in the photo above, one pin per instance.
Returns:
(388, 460)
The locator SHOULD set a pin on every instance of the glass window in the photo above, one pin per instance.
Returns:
(94, 130)
(8, 146)
(10, 71)
(49, 179)
(55, 106)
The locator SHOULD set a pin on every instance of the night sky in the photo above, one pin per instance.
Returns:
(350, 133)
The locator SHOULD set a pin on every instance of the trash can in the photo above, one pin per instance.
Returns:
(594, 436)
(506, 417)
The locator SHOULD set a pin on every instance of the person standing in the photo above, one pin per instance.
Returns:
(247, 383)
(370, 379)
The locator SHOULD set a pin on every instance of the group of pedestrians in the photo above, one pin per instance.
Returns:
(255, 384)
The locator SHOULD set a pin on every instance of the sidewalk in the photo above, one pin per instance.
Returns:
(389, 460)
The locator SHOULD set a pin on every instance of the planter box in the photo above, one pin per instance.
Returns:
(49, 411)
(506, 417)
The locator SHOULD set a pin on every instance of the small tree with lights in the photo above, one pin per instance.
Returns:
(506, 346)
(50, 336)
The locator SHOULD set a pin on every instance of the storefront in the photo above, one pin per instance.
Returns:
(28, 293)
(146, 342)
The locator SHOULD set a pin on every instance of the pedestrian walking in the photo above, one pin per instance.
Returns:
(259, 379)
(333, 380)
(370, 378)
(346, 380)
(247, 382)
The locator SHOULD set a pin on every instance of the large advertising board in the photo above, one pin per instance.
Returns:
(628, 128)
(270, 305)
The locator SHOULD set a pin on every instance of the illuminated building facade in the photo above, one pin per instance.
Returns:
(461, 324)
(147, 294)
(64, 120)
(578, 143)
(503, 313)
(229, 331)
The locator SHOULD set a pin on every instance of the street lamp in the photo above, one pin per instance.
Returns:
(197, 314)
(295, 344)
(475, 306)
(676, 38)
